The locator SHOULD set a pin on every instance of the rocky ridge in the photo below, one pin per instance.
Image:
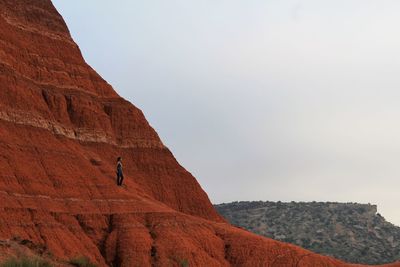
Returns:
(349, 231)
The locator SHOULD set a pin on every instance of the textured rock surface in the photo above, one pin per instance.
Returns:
(348, 231)
(61, 128)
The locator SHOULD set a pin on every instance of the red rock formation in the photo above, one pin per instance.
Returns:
(61, 129)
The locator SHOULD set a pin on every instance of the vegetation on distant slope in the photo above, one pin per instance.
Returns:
(352, 232)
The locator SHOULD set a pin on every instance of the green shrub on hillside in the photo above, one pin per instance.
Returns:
(82, 262)
(184, 263)
(25, 262)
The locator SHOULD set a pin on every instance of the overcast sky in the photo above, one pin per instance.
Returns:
(260, 99)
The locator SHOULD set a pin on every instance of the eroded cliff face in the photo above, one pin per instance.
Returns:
(47, 90)
(61, 128)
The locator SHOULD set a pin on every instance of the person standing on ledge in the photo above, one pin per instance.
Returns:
(120, 175)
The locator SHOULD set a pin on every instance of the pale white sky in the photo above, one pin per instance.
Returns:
(261, 100)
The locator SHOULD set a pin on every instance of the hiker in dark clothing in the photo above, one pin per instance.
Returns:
(120, 175)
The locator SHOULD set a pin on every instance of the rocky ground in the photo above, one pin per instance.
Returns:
(352, 232)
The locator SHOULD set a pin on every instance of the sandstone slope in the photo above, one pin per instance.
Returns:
(61, 128)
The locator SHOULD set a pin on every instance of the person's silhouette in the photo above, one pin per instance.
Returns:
(120, 174)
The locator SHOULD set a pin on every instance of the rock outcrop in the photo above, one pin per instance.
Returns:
(61, 129)
(352, 232)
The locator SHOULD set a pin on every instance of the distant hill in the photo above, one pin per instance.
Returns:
(352, 232)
